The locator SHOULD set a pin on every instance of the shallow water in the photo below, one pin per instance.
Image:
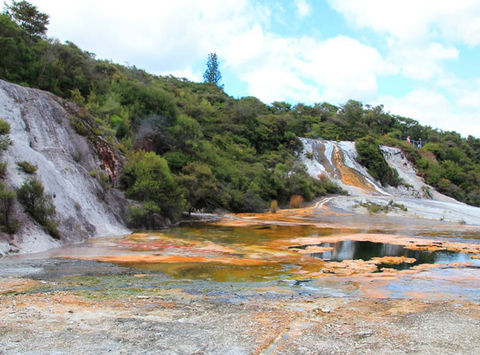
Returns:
(263, 255)
(365, 250)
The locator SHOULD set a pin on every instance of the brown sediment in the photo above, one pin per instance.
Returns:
(351, 267)
(16, 285)
(429, 248)
(348, 267)
(311, 249)
(475, 257)
(393, 260)
(349, 176)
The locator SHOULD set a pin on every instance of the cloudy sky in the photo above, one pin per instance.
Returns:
(419, 59)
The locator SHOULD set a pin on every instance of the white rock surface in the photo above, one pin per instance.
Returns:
(42, 134)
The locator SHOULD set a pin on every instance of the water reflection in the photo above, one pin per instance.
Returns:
(365, 250)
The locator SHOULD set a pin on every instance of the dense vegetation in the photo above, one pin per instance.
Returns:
(370, 155)
(191, 146)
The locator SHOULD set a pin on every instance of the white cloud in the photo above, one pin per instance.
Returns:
(158, 36)
(305, 69)
(303, 8)
(435, 109)
(420, 35)
(169, 37)
(422, 63)
(187, 73)
(416, 21)
(346, 68)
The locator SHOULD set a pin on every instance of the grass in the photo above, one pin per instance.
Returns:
(374, 208)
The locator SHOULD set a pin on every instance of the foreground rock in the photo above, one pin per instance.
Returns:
(179, 322)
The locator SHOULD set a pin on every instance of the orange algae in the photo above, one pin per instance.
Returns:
(169, 259)
(348, 175)
(16, 285)
(312, 249)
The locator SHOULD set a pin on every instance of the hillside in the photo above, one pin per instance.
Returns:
(42, 135)
(191, 147)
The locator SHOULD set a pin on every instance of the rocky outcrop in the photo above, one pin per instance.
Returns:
(337, 160)
(42, 134)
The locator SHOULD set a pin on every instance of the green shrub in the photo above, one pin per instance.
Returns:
(147, 178)
(3, 169)
(79, 126)
(26, 167)
(4, 127)
(145, 216)
(39, 205)
(103, 180)
(370, 156)
(373, 207)
(4, 143)
(7, 197)
(77, 156)
(200, 188)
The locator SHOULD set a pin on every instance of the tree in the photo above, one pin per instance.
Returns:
(212, 74)
(28, 17)
(200, 185)
(147, 178)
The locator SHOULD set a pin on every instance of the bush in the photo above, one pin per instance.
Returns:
(26, 167)
(3, 169)
(147, 216)
(373, 207)
(200, 188)
(39, 205)
(79, 126)
(147, 178)
(296, 201)
(370, 156)
(274, 206)
(4, 127)
(6, 202)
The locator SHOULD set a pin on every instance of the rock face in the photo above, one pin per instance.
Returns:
(42, 134)
(336, 160)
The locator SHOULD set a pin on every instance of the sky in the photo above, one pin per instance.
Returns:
(420, 59)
